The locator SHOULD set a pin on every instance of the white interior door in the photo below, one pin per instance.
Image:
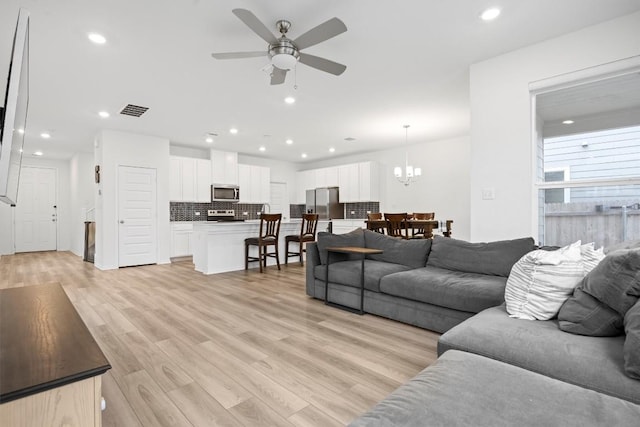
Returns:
(35, 214)
(137, 222)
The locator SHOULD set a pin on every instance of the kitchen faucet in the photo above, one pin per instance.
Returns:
(265, 205)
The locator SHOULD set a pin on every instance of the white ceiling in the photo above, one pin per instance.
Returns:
(407, 63)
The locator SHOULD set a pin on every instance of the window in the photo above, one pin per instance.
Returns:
(589, 187)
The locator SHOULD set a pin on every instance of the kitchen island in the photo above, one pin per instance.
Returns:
(219, 246)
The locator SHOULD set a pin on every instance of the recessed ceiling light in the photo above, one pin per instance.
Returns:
(103, 114)
(568, 122)
(289, 141)
(233, 130)
(490, 14)
(97, 38)
(45, 135)
(208, 140)
(331, 150)
(304, 155)
(289, 100)
(262, 148)
(38, 153)
(349, 139)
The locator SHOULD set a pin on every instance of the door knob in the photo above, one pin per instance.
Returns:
(121, 221)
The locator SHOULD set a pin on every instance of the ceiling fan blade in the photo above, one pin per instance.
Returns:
(239, 55)
(278, 76)
(322, 64)
(322, 32)
(255, 24)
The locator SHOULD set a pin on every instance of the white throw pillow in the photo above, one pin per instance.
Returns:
(591, 256)
(541, 281)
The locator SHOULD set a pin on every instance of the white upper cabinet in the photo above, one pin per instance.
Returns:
(224, 167)
(358, 182)
(254, 183)
(190, 179)
(369, 185)
(203, 180)
(305, 180)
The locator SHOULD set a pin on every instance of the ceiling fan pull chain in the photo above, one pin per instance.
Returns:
(295, 78)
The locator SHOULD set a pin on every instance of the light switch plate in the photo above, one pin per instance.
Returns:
(488, 193)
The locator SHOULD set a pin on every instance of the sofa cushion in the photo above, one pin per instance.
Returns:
(616, 280)
(541, 281)
(348, 272)
(494, 258)
(632, 342)
(582, 314)
(602, 298)
(464, 389)
(458, 290)
(326, 240)
(412, 253)
(593, 363)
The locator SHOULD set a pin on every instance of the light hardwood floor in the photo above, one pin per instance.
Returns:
(232, 349)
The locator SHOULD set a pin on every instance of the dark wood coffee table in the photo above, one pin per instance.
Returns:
(348, 250)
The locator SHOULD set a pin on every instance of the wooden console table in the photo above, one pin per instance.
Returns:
(348, 250)
(50, 365)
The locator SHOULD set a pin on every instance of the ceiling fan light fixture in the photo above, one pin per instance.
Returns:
(284, 61)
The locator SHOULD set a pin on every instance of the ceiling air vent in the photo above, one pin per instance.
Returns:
(133, 110)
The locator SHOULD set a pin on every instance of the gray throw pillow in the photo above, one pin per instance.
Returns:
(412, 253)
(582, 314)
(632, 342)
(494, 258)
(615, 281)
(327, 240)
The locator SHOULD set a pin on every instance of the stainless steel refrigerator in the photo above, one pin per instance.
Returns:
(324, 202)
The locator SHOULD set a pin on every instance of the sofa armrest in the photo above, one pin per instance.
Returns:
(313, 259)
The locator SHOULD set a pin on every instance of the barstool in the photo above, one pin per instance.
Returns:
(307, 234)
(269, 232)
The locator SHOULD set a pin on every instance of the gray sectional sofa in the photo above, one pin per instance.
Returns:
(434, 284)
(496, 370)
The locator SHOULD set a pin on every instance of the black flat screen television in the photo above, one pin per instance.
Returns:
(13, 117)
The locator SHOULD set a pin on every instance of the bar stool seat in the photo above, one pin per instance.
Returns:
(307, 234)
(268, 236)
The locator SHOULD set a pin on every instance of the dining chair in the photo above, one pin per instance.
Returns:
(448, 231)
(268, 236)
(376, 223)
(307, 234)
(397, 225)
(422, 230)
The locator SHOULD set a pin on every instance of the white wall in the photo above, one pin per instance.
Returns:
(443, 187)
(81, 173)
(114, 149)
(501, 140)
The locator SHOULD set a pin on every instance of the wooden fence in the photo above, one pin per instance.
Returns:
(605, 225)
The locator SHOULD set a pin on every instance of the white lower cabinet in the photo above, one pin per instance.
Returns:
(181, 240)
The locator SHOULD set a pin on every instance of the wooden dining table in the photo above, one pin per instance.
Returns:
(413, 225)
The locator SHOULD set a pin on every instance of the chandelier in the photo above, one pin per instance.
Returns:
(410, 174)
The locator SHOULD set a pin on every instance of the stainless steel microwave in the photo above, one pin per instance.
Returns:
(225, 193)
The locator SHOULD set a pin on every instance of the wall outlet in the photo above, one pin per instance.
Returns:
(368, 212)
(196, 213)
(353, 212)
(245, 213)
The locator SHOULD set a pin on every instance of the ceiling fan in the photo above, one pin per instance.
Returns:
(284, 52)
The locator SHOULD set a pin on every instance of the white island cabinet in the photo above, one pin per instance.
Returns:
(219, 246)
